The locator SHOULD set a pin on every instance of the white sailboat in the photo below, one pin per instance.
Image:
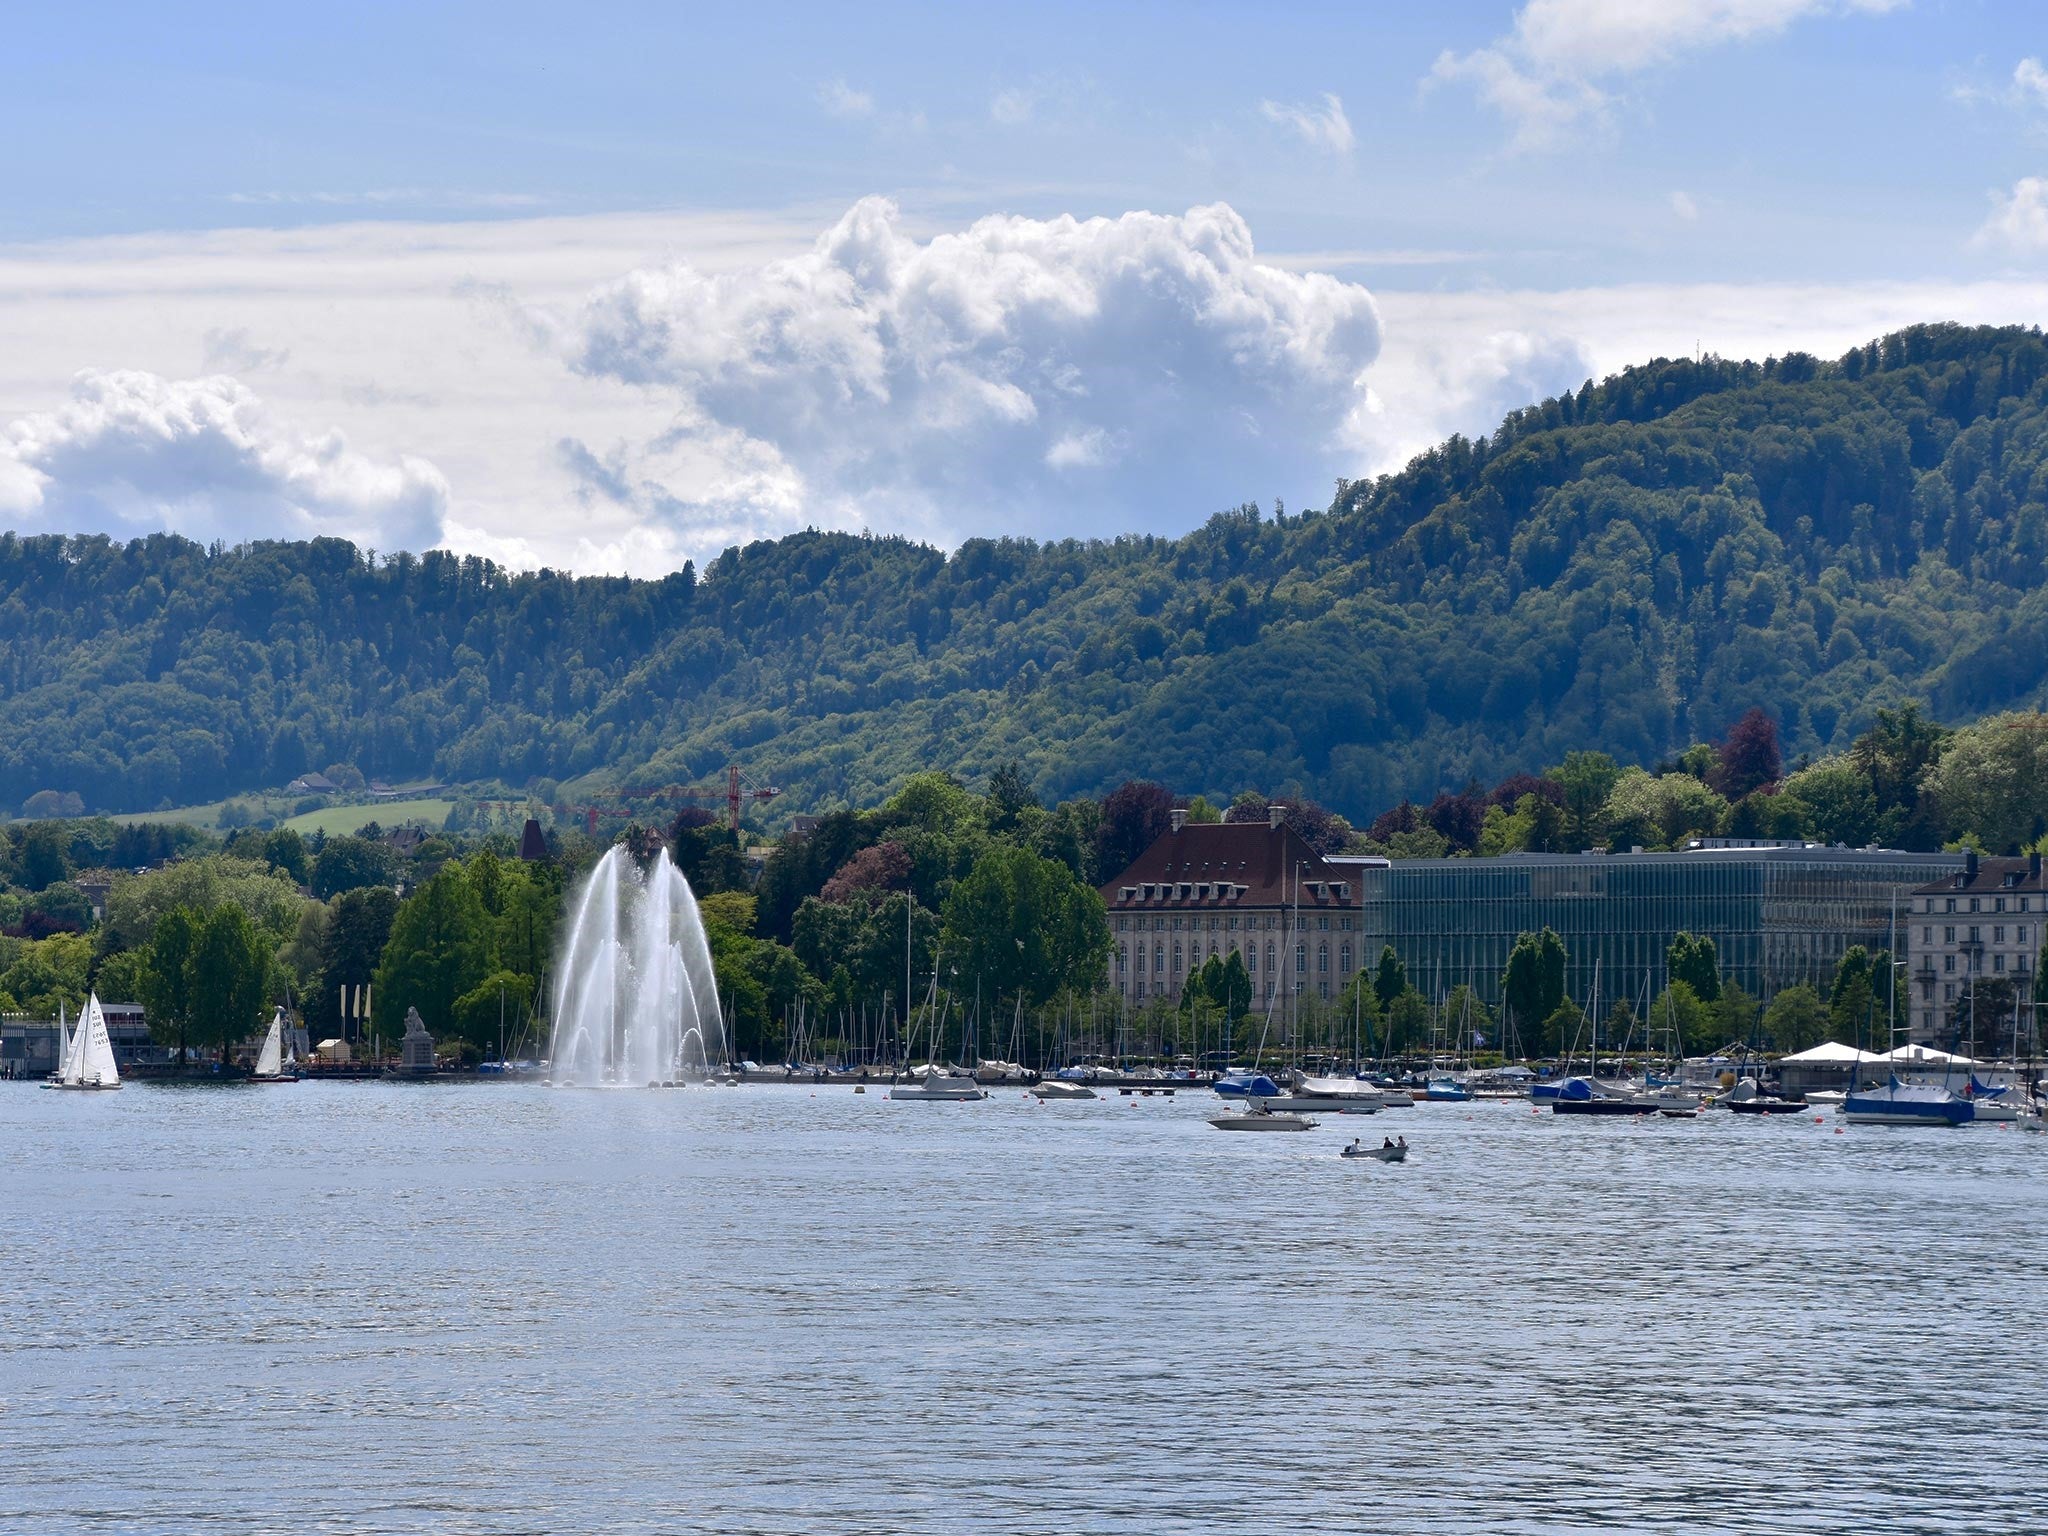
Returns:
(271, 1066)
(89, 1055)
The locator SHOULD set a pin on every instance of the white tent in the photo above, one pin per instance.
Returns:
(1830, 1052)
(1925, 1053)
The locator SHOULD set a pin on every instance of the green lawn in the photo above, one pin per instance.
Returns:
(339, 819)
(198, 815)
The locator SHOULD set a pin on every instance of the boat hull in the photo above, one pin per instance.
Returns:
(1266, 1122)
(1600, 1107)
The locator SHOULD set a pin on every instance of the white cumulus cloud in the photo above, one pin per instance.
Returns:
(1683, 205)
(1556, 69)
(1322, 125)
(2019, 218)
(1056, 376)
(2030, 82)
(842, 100)
(133, 452)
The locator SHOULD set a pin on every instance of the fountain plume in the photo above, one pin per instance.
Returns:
(636, 1000)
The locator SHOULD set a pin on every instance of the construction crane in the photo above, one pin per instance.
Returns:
(731, 792)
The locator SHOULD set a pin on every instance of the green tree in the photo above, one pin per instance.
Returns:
(1895, 754)
(1993, 780)
(1853, 996)
(438, 951)
(45, 856)
(1587, 778)
(1407, 1021)
(166, 981)
(226, 975)
(1661, 811)
(1680, 1008)
(1533, 984)
(270, 899)
(350, 863)
(1796, 1019)
(1841, 805)
(40, 976)
(1562, 1030)
(1390, 980)
(1692, 959)
(1025, 926)
(358, 927)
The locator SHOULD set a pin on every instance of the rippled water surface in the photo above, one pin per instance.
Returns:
(496, 1308)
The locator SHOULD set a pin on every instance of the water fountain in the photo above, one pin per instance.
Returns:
(636, 1004)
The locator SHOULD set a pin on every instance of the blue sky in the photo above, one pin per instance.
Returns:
(498, 276)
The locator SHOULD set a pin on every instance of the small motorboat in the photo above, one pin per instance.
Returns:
(1585, 1096)
(1745, 1098)
(1670, 1101)
(1060, 1088)
(1390, 1152)
(933, 1086)
(1446, 1090)
(1266, 1121)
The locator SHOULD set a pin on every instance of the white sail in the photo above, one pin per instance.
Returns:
(94, 1054)
(270, 1061)
(63, 1043)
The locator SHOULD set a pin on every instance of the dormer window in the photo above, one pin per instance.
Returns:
(1128, 893)
(1185, 889)
(1343, 890)
(1202, 891)
(1149, 888)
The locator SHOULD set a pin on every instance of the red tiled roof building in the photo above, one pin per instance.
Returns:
(1255, 888)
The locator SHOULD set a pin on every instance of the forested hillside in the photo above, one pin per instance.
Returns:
(1629, 568)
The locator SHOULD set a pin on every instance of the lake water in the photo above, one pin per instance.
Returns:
(495, 1308)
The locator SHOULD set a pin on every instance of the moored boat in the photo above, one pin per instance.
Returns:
(1584, 1096)
(1245, 1084)
(89, 1063)
(1058, 1088)
(1262, 1120)
(271, 1066)
(1899, 1103)
(930, 1085)
(1746, 1098)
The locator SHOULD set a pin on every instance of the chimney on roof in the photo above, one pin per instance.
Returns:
(1970, 865)
(2034, 865)
(1276, 813)
(1179, 817)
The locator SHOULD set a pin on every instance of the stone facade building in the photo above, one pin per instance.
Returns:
(1251, 888)
(1984, 922)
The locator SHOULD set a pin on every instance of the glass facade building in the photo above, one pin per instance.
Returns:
(1778, 915)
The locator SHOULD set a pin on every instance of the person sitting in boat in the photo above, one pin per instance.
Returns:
(1388, 1144)
(1404, 1143)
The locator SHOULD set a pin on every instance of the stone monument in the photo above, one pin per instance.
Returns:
(417, 1048)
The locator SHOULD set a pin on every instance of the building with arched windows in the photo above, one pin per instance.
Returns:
(1255, 889)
